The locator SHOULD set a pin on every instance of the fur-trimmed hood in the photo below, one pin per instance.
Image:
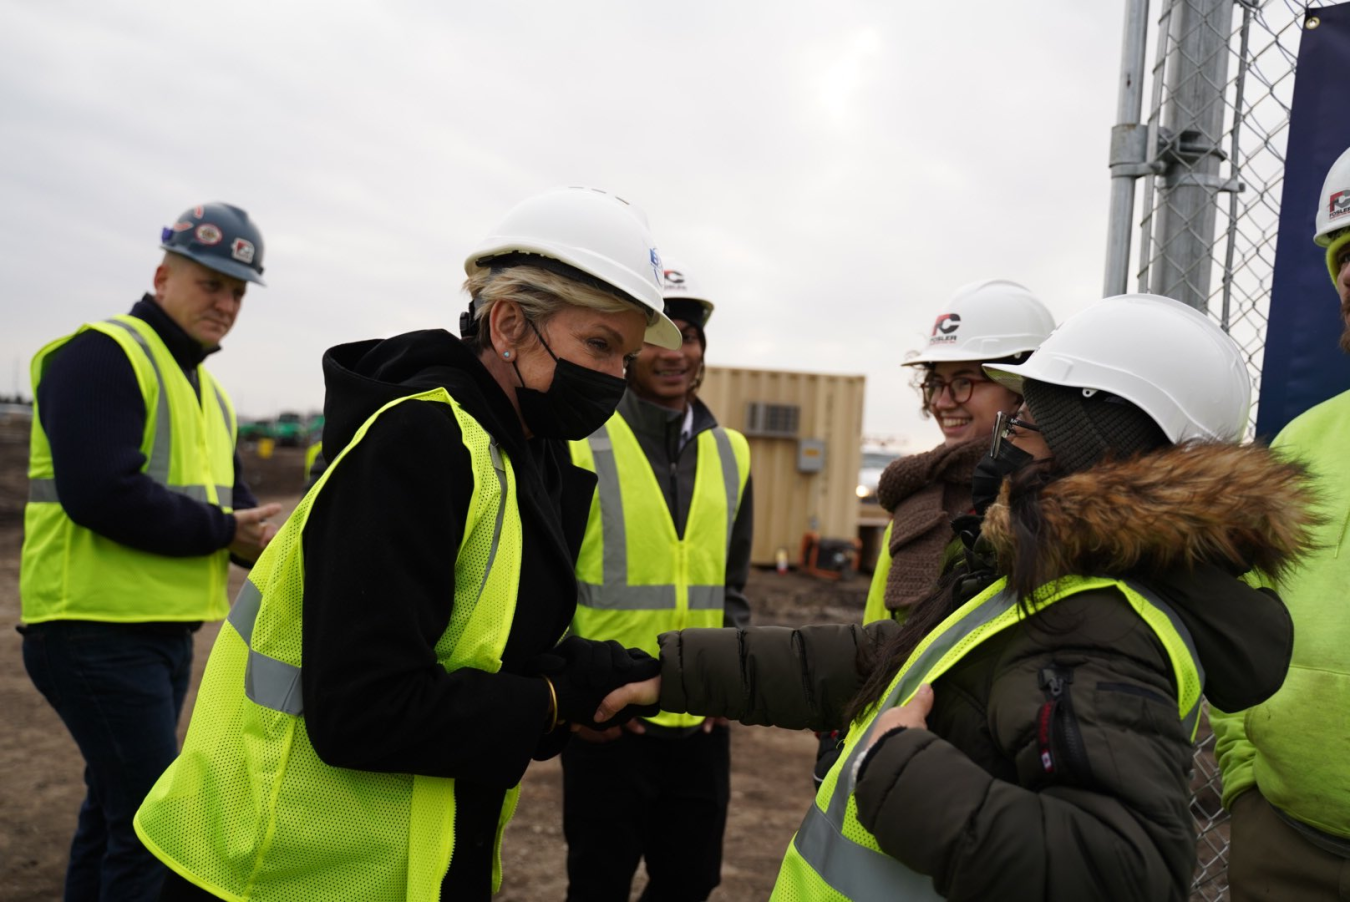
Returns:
(1184, 521)
(1239, 507)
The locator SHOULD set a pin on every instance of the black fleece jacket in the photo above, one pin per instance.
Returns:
(380, 548)
(92, 411)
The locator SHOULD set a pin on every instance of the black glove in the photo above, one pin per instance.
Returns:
(584, 671)
(827, 752)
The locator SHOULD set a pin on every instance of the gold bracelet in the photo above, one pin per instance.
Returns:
(552, 704)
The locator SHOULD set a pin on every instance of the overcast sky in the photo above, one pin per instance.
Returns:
(830, 172)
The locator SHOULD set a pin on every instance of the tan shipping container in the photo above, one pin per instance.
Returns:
(805, 434)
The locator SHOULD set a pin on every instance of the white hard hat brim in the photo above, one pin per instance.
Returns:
(965, 354)
(642, 294)
(595, 235)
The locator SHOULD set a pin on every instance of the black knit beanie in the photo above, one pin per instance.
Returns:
(692, 312)
(1082, 430)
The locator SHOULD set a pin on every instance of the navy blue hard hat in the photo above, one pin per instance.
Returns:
(219, 237)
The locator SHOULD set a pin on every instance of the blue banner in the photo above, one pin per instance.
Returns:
(1303, 363)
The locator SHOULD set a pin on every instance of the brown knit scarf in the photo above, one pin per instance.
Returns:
(924, 492)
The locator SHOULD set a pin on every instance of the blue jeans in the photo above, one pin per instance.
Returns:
(119, 689)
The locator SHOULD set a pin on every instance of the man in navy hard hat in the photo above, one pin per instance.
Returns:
(136, 506)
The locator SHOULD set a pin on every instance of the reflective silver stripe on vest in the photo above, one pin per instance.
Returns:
(44, 490)
(41, 491)
(224, 493)
(616, 594)
(1191, 719)
(630, 598)
(267, 682)
(277, 685)
(731, 478)
(224, 411)
(157, 467)
(707, 598)
(862, 873)
(500, 470)
(857, 871)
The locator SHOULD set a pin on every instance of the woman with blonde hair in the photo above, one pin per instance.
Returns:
(392, 665)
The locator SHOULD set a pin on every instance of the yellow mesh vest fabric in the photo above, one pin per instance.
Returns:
(248, 811)
(634, 609)
(68, 572)
(875, 609)
(797, 879)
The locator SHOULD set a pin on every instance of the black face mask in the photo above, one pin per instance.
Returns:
(990, 473)
(578, 402)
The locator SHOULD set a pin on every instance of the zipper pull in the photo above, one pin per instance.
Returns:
(1050, 681)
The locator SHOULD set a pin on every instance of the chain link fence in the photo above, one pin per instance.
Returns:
(1211, 157)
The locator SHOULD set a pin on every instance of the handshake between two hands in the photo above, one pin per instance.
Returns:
(599, 684)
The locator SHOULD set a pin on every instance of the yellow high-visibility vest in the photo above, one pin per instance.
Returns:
(636, 578)
(876, 609)
(68, 572)
(832, 857)
(248, 811)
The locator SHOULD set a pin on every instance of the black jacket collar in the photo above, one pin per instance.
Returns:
(662, 423)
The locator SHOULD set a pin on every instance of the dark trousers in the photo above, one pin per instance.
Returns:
(1268, 859)
(663, 799)
(119, 689)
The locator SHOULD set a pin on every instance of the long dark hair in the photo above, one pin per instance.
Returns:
(883, 663)
(962, 583)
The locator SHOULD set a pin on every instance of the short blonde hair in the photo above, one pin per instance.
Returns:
(540, 294)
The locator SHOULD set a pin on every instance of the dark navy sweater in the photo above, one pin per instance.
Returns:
(94, 416)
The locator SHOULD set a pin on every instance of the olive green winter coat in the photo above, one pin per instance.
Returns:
(967, 800)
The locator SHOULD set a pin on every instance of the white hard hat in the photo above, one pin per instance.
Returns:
(589, 230)
(987, 320)
(1333, 206)
(1166, 358)
(678, 285)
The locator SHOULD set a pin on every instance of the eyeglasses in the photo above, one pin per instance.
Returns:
(959, 389)
(1004, 424)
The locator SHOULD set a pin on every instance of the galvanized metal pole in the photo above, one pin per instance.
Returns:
(1129, 147)
(1196, 75)
(1235, 163)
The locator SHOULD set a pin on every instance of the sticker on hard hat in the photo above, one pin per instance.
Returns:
(1339, 204)
(656, 263)
(673, 278)
(208, 234)
(944, 328)
(198, 212)
(181, 226)
(242, 250)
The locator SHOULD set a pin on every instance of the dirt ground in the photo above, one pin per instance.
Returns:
(40, 768)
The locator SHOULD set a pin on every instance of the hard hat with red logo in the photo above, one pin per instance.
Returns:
(987, 320)
(1333, 212)
(685, 298)
(220, 237)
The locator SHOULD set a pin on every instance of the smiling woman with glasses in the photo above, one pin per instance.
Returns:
(958, 389)
(984, 322)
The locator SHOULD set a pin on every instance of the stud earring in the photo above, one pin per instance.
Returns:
(506, 355)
